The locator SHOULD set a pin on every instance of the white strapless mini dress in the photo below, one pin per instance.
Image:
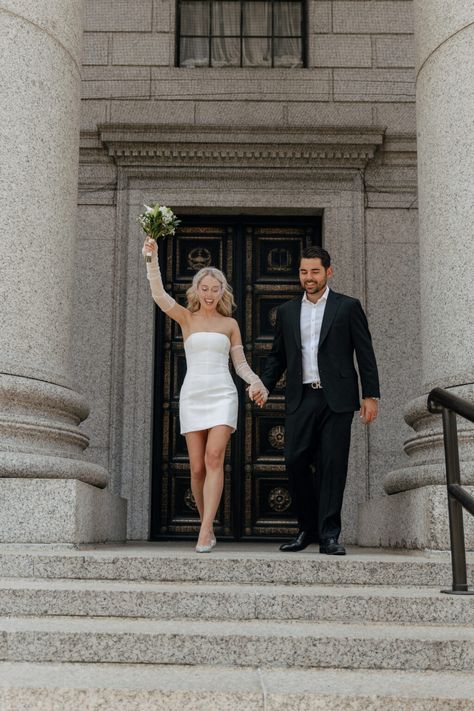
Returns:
(208, 395)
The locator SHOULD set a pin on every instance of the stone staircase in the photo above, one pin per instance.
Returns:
(156, 626)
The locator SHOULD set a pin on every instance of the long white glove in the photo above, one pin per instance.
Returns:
(160, 297)
(245, 372)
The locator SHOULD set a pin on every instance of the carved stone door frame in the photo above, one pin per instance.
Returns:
(318, 172)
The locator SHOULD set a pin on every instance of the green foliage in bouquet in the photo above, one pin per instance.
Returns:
(158, 222)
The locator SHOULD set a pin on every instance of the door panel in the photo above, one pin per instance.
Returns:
(260, 259)
(271, 278)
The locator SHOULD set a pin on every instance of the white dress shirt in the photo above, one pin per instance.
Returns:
(311, 320)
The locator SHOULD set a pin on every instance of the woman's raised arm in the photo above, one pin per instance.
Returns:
(166, 302)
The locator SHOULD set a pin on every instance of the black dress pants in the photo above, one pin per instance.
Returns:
(316, 437)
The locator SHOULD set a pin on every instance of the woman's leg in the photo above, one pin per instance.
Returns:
(196, 443)
(214, 483)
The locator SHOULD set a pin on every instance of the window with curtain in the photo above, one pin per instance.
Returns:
(240, 33)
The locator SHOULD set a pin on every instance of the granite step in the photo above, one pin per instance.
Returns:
(237, 643)
(230, 563)
(135, 687)
(418, 605)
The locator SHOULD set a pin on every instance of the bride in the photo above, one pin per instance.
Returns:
(208, 397)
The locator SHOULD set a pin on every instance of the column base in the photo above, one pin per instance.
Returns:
(417, 518)
(59, 511)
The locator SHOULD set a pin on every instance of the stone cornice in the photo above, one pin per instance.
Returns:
(399, 149)
(250, 147)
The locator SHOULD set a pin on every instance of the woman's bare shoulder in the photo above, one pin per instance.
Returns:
(232, 324)
(234, 331)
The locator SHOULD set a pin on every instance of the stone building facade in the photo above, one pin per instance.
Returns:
(333, 143)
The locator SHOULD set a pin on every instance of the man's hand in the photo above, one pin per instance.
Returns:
(369, 410)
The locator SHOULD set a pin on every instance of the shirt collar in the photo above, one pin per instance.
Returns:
(324, 297)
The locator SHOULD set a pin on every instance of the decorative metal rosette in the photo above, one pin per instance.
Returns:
(276, 437)
(279, 499)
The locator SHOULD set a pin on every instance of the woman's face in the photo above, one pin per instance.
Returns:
(209, 292)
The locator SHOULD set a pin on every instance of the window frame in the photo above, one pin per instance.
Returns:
(303, 36)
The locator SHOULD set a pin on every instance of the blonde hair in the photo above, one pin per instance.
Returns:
(226, 303)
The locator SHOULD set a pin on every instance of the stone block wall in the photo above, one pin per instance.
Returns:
(360, 73)
(360, 70)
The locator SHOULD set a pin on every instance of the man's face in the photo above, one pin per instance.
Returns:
(313, 276)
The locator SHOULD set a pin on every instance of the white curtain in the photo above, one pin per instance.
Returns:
(194, 51)
(226, 32)
(257, 20)
(287, 22)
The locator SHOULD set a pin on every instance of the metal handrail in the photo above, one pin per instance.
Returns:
(443, 398)
(449, 405)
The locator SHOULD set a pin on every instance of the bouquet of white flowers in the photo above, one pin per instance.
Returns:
(158, 221)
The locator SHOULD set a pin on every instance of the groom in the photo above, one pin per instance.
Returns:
(316, 336)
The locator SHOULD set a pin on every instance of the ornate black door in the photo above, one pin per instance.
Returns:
(260, 259)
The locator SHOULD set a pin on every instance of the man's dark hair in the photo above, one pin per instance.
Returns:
(313, 252)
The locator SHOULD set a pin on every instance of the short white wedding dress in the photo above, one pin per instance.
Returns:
(208, 395)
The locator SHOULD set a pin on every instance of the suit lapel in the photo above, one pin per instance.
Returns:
(296, 321)
(330, 311)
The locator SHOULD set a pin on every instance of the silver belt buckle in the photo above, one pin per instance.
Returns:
(316, 385)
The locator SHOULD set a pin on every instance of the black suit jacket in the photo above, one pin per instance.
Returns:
(344, 331)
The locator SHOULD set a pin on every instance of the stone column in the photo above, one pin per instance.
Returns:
(416, 512)
(48, 492)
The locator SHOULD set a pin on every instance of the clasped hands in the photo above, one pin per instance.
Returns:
(258, 393)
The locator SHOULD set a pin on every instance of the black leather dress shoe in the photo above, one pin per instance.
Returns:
(302, 541)
(330, 546)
